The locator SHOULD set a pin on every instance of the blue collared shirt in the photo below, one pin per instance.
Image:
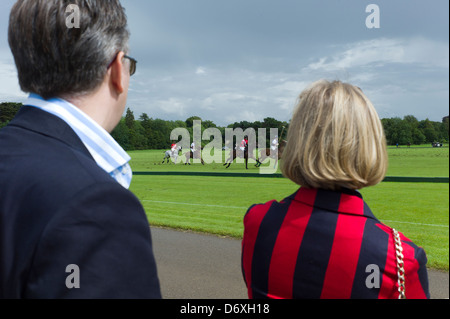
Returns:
(107, 153)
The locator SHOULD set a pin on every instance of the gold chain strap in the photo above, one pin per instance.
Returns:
(400, 265)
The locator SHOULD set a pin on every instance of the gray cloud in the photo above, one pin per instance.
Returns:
(233, 60)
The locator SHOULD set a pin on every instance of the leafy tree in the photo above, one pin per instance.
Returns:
(129, 118)
(428, 130)
(418, 137)
(208, 124)
(121, 135)
(8, 110)
(410, 130)
(190, 120)
(144, 119)
(3, 124)
(138, 140)
(160, 134)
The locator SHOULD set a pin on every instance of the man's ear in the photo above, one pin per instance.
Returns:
(116, 77)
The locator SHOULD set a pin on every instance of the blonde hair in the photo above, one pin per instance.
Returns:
(335, 139)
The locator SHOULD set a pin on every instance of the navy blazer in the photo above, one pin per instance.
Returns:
(59, 208)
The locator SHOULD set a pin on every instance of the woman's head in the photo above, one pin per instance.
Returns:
(335, 139)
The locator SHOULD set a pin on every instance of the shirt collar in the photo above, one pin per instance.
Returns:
(107, 153)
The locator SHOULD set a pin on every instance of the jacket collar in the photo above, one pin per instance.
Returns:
(343, 202)
(41, 122)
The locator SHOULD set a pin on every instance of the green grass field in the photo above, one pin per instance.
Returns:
(217, 204)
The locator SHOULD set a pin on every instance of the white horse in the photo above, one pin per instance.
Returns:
(172, 154)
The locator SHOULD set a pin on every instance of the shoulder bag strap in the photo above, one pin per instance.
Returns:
(400, 265)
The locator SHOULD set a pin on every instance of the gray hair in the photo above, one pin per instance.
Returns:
(53, 59)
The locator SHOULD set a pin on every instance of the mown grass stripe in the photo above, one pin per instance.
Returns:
(223, 206)
(193, 204)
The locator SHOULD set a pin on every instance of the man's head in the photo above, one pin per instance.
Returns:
(53, 59)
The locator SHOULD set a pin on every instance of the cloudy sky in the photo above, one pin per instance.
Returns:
(234, 60)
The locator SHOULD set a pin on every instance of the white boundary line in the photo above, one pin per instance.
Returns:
(411, 223)
(240, 207)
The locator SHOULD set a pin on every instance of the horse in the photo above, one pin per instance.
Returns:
(235, 153)
(169, 154)
(196, 154)
(266, 153)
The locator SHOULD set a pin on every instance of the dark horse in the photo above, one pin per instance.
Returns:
(194, 155)
(265, 153)
(238, 153)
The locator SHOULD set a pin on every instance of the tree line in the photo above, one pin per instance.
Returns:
(409, 130)
(148, 133)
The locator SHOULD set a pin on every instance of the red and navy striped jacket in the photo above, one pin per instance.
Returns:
(325, 244)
